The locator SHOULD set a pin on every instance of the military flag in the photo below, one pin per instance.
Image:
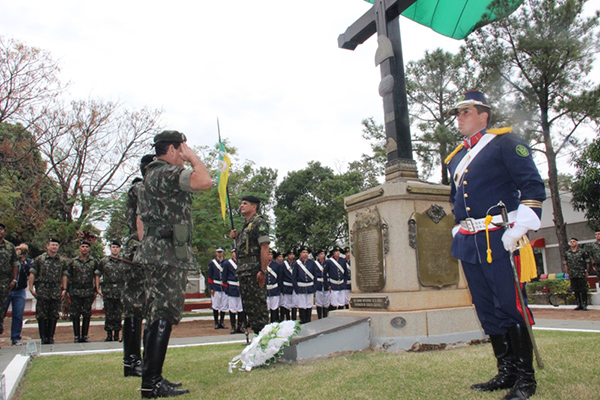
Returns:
(458, 18)
(223, 175)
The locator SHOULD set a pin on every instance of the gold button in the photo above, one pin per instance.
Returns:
(468, 208)
(466, 170)
(464, 182)
(466, 195)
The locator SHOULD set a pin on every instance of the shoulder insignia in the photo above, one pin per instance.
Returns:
(499, 131)
(262, 228)
(449, 158)
(522, 150)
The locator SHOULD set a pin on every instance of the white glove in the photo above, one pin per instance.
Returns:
(512, 236)
(526, 219)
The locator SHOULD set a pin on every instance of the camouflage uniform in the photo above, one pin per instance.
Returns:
(48, 272)
(134, 279)
(595, 256)
(111, 272)
(8, 260)
(254, 299)
(82, 290)
(165, 210)
(577, 262)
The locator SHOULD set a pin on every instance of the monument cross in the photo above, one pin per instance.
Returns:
(383, 19)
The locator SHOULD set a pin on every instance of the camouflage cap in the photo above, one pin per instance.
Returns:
(170, 136)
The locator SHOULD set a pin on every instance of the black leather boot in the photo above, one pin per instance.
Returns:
(76, 330)
(308, 315)
(85, 328)
(51, 328)
(525, 385)
(241, 323)
(153, 384)
(319, 312)
(42, 327)
(274, 315)
(578, 299)
(108, 336)
(222, 320)
(232, 320)
(216, 318)
(132, 335)
(294, 313)
(325, 312)
(116, 336)
(507, 371)
(584, 301)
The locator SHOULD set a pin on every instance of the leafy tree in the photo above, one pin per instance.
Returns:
(586, 187)
(544, 54)
(565, 181)
(309, 207)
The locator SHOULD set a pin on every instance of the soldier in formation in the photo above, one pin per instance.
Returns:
(236, 310)
(9, 271)
(218, 288)
(109, 277)
(577, 265)
(322, 299)
(274, 286)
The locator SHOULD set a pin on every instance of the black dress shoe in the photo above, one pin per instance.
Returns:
(162, 389)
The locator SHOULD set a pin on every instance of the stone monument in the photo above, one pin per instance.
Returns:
(404, 278)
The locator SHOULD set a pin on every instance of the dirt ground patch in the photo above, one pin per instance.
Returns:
(64, 334)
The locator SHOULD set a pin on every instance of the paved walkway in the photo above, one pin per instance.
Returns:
(14, 359)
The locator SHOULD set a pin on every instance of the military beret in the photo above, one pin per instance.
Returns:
(575, 239)
(115, 243)
(85, 242)
(2, 225)
(303, 248)
(53, 240)
(170, 136)
(470, 98)
(251, 199)
(318, 251)
(290, 251)
(148, 158)
(336, 248)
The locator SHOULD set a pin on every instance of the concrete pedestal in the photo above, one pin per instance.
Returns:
(415, 313)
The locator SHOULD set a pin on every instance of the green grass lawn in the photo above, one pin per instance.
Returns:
(571, 372)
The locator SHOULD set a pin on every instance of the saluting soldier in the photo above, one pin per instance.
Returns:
(218, 288)
(48, 284)
(109, 277)
(288, 299)
(322, 299)
(233, 294)
(274, 286)
(577, 265)
(335, 273)
(164, 211)
(490, 166)
(304, 283)
(252, 244)
(83, 289)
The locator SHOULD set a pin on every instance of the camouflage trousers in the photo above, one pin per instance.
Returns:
(4, 287)
(113, 308)
(81, 306)
(166, 293)
(134, 292)
(47, 308)
(254, 298)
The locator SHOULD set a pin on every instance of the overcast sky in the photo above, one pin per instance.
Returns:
(270, 70)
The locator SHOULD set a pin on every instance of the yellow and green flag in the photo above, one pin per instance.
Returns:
(223, 175)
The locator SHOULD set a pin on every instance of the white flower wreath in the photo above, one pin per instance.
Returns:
(267, 346)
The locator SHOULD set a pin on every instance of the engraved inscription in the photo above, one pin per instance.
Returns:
(368, 245)
(370, 302)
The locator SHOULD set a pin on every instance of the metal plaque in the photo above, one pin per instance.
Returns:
(430, 234)
(369, 246)
(398, 322)
(381, 303)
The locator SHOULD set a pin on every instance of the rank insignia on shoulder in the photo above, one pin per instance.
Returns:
(522, 150)
(499, 131)
(262, 228)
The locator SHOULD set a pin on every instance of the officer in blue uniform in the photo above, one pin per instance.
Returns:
(274, 286)
(218, 288)
(322, 298)
(289, 297)
(489, 167)
(336, 274)
(303, 279)
(236, 309)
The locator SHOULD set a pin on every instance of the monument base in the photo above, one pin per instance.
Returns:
(392, 330)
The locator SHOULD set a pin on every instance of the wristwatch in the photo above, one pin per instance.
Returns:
(264, 271)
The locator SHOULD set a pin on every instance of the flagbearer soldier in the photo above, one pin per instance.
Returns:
(322, 300)
(233, 292)
(49, 277)
(489, 167)
(288, 303)
(83, 289)
(218, 289)
(252, 244)
(335, 273)
(304, 283)
(274, 286)
(348, 278)
(109, 277)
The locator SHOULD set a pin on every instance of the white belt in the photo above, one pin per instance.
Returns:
(336, 282)
(271, 287)
(234, 283)
(305, 284)
(319, 279)
(217, 282)
(476, 225)
(287, 284)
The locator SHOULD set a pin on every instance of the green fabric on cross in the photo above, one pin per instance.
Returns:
(458, 18)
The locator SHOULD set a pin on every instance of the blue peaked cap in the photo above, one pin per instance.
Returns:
(470, 98)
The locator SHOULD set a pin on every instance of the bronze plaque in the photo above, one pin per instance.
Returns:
(368, 247)
(381, 303)
(430, 234)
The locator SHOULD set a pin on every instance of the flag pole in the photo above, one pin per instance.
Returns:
(227, 185)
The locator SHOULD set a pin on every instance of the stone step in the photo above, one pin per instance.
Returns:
(326, 336)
